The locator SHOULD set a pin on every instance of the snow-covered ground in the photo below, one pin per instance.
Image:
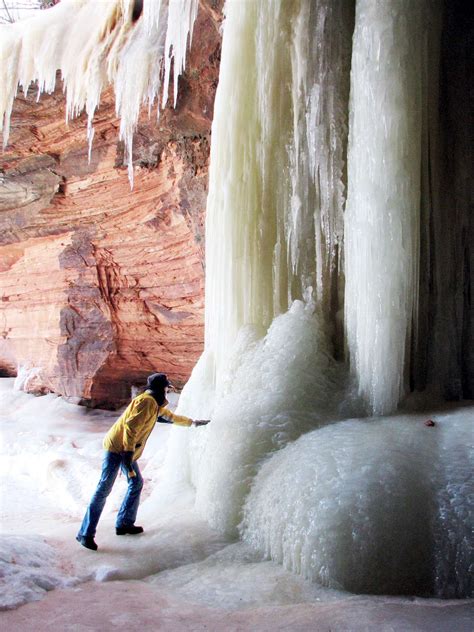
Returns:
(51, 454)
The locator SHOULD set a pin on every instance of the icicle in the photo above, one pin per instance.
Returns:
(151, 14)
(182, 14)
(134, 89)
(9, 56)
(383, 203)
(90, 136)
(320, 61)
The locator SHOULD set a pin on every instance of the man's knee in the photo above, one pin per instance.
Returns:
(104, 487)
(137, 481)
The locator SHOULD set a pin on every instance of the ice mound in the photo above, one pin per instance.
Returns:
(375, 506)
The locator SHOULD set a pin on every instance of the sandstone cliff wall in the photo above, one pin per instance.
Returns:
(100, 284)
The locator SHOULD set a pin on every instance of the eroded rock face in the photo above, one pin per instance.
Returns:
(101, 285)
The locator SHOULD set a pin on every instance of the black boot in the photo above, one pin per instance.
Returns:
(128, 529)
(87, 541)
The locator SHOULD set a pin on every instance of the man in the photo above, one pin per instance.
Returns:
(124, 444)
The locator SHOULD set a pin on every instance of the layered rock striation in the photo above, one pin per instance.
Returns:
(101, 284)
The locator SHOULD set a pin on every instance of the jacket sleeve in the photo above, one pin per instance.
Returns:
(133, 422)
(166, 416)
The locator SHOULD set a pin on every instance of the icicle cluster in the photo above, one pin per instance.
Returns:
(276, 191)
(96, 44)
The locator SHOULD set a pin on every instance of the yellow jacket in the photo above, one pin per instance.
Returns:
(132, 429)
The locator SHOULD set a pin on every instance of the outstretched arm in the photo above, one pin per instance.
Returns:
(166, 416)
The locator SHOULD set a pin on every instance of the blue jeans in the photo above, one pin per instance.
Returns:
(128, 511)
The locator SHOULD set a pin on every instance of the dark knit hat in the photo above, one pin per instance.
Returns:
(157, 382)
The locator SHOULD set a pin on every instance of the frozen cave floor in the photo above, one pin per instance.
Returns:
(137, 605)
(178, 575)
(224, 589)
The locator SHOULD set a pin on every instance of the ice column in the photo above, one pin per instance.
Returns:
(382, 214)
(248, 181)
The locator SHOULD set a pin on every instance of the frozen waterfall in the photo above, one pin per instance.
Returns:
(370, 506)
(336, 282)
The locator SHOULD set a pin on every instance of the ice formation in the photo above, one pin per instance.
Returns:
(273, 225)
(273, 396)
(29, 568)
(93, 45)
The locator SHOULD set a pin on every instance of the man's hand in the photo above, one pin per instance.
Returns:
(201, 422)
(127, 460)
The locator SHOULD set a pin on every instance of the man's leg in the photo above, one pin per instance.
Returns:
(110, 468)
(128, 511)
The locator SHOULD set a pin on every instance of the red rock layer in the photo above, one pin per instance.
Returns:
(100, 284)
